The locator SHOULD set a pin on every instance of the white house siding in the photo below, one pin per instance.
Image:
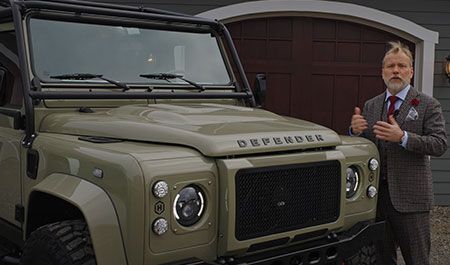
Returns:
(433, 15)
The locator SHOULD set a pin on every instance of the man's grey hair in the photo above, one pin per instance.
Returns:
(398, 47)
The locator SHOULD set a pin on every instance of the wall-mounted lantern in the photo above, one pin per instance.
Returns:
(447, 67)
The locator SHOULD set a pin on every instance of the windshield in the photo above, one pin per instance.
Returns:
(124, 53)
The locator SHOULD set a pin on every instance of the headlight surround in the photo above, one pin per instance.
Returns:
(189, 205)
(352, 181)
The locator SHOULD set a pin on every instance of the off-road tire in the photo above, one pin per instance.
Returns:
(364, 256)
(62, 243)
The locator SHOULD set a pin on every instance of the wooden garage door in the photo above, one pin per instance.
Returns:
(317, 69)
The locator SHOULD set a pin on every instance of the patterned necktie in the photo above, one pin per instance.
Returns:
(391, 109)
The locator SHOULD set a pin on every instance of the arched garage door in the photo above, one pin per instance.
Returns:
(317, 69)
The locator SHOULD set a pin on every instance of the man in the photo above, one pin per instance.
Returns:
(407, 128)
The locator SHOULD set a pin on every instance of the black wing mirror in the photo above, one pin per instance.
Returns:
(259, 89)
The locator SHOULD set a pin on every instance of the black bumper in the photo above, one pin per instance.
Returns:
(331, 250)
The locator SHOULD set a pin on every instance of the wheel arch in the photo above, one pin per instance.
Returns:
(77, 198)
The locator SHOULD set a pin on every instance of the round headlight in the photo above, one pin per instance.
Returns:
(160, 189)
(371, 191)
(189, 205)
(160, 226)
(373, 164)
(352, 179)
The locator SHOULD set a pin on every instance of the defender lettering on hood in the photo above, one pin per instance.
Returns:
(280, 140)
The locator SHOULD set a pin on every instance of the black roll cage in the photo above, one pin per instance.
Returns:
(18, 9)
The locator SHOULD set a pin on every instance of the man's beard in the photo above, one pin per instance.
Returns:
(395, 86)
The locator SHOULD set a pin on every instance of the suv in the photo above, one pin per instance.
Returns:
(129, 136)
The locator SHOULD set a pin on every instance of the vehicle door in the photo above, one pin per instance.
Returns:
(11, 128)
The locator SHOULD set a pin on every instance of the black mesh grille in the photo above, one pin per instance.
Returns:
(278, 199)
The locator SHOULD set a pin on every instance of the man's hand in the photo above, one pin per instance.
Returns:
(388, 132)
(358, 124)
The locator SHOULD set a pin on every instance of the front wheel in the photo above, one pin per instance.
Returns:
(61, 243)
(364, 256)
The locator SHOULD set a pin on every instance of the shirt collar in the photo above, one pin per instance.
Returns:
(401, 95)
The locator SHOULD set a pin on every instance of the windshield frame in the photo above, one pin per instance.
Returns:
(131, 22)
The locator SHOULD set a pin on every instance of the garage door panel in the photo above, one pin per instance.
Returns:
(370, 87)
(322, 118)
(278, 91)
(255, 28)
(235, 29)
(324, 51)
(372, 52)
(341, 121)
(346, 68)
(320, 95)
(345, 93)
(273, 66)
(280, 28)
(348, 52)
(324, 29)
(254, 49)
(349, 31)
(344, 101)
(280, 50)
(370, 34)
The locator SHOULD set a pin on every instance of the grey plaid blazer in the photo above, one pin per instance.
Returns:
(408, 169)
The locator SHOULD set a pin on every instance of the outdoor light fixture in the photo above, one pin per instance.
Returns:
(447, 67)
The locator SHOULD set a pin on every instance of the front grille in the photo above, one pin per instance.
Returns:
(277, 199)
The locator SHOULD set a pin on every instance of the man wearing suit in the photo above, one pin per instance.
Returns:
(407, 126)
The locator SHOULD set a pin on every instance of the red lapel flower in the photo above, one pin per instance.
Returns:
(414, 102)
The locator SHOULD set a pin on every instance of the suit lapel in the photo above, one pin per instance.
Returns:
(378, 112)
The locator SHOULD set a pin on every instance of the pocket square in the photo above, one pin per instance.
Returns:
(413, 115)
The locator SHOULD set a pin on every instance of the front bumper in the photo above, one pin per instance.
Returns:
(331, 250)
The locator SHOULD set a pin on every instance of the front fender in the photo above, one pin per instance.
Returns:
(98, 211)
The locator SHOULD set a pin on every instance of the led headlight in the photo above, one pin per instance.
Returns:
(371, 191)
(160, 189)
(160, 226)
(373, 164)
(352, 179)
(189, 205)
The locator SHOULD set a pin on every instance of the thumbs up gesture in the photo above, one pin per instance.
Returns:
(358, 123)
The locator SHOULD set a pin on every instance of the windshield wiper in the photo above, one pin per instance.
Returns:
(86, 76)
(167, 76)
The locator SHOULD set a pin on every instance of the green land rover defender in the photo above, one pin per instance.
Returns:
(130, 136)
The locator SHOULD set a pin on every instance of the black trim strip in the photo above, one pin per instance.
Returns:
(150, 24)
(121, 7)
(109, 10)
(136, 95)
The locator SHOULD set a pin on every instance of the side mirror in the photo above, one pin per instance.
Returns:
(3, 88)
(259, 90)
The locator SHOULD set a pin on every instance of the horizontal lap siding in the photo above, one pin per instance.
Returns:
(433, 15)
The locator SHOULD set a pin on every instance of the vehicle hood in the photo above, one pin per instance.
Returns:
(212, 129)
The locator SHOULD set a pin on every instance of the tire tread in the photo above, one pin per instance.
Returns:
(65, 243)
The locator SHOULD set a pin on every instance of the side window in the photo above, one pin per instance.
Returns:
(10, 81)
